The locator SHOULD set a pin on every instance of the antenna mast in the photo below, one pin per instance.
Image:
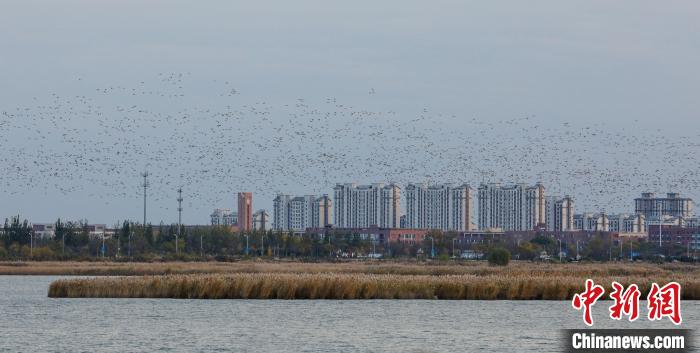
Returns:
(179, 219)
(145, 186)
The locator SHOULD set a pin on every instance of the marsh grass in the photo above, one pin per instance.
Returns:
(350, 280)
(266, 285)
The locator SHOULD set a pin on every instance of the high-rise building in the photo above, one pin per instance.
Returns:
(559, 213)
(245, 211)
(280, 212)
(223, 217)
(445, 207)
(655, 208)
(512, 207)
(301, 212)
(362, 206)
(390, 208)
(322, 212)
(261, 220)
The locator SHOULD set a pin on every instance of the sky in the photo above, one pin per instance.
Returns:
(618, 80)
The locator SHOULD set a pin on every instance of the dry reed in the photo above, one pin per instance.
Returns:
(503, 286)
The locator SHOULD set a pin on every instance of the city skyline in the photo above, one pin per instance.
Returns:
(434, 206)
(228, 216)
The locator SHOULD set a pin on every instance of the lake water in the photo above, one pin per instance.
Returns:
(31, 322)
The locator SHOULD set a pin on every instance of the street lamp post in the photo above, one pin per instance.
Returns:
(559, 249)
(631, 259)
(622, 256)
(246, 244)
(374, 247)
(577, 256)
(179, 220)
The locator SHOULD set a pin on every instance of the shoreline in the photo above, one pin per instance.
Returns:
(111, 268)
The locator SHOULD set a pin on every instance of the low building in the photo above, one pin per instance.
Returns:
(48, 230)
(591, 222)
(44, 230)
(687, 237)
(381, 235)
(602, 222)
(223, 217)
(190, 228)
(627, 223)
(692, 222)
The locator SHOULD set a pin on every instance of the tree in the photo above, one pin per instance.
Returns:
(499, 256)
(597, 249)
(77, 237)
(527, 250)
(17, 232)
(544, 242)
(60, 234)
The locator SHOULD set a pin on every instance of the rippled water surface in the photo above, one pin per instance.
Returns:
(31, 322)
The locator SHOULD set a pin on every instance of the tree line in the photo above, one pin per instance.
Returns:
(133, 241)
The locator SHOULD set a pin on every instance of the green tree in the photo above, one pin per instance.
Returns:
(499, 256)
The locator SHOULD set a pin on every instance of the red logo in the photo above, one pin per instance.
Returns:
(587, 299)
(665, 302)
(662, 301)
(626, 302)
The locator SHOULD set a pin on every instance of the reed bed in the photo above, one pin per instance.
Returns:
(349, 286)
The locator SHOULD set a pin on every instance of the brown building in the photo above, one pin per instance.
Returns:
(689, 237)
(245, 211)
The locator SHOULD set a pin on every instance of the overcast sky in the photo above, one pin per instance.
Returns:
(632, 65)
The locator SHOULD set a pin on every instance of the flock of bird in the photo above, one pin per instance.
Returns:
(97, 143)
